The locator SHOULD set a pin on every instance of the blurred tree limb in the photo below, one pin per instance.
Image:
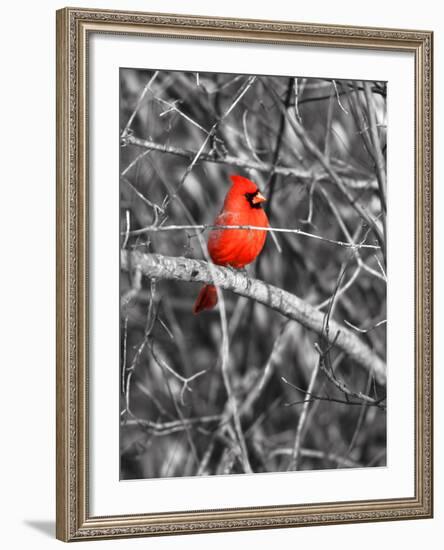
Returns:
(185, 269)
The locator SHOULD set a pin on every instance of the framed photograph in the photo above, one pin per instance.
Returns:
(244, 274)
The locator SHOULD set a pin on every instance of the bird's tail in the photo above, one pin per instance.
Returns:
(206, 299)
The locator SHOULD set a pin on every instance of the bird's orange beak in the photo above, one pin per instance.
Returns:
(258, 198)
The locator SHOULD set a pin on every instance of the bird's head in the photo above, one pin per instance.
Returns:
(245, 189)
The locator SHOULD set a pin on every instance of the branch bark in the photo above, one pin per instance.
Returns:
(289, 305)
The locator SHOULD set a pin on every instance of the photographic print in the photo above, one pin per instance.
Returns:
(252, 245)
(227, 192)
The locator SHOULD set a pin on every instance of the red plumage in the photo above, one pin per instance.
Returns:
(235, 247)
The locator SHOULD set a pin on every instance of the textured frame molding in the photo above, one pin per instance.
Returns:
(73, 519)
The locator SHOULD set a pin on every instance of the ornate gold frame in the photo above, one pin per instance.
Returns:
(73, 519)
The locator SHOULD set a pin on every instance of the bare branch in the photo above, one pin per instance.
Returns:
(264, 167)
(289, 305)
(365, 330)
(294, 460)
(140, 156)
(314, 453)
(350, 239)
(149, 325)
(128, 225)
(212, 132)
(169, 427)
(139, 103)
(268, 370)
(339, 98)
(185, 381)
(247, 137)
(313, 398)
(343, 288)
(377, 149)
(341, 385)
(310, 145)
(203, 227)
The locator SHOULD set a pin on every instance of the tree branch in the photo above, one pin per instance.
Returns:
(189, 270)
(377, 149)
(354, 182)
(203, 227)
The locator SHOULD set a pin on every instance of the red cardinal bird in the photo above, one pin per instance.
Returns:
(235, 247)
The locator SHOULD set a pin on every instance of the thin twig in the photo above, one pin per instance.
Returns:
(173, 426)
(294, 461)
(349, 237)
(358, 116)
(314, 150)
(338, 98)
(185, 381)
(247, 137)
(152, 205)
(313, 453)
(173, 107)
(328, 128)
(377, 149)
(297, 99)
(140, 156)
(179, 412)
(128, 225)
(204, 227)
(136, 285)
(384, 275)
(365, 330)
(343, 289)
(249, 164)
(125, 343)
(341, 386)
(149, 325)
(268, 370)
(361, 418)
(315, 397)
(139, 103)
(240, 94)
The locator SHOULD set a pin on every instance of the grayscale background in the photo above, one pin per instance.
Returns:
(293, 410)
